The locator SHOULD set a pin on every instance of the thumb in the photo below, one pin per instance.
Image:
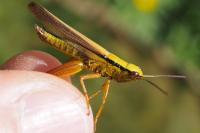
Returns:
(35, 102)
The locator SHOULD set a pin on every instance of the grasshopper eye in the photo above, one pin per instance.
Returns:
(134, 74)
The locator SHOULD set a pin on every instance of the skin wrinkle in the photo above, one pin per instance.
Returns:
(41, 86)
(80, 112)
(26, 61)
(23, 87)
(59, 105)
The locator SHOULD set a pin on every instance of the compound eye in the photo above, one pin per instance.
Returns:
(134, 74)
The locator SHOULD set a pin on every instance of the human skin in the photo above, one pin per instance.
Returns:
(33, 101)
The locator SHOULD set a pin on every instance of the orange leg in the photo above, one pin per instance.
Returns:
(82, 78)
(105, 89)
(67, 69)
(74, 66)
(70, 68)
(95, 94)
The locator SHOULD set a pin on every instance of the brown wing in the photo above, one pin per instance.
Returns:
(64, 31)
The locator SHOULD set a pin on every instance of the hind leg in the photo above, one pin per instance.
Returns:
(67, 69)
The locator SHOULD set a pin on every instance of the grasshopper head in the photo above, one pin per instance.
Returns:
(135, 72)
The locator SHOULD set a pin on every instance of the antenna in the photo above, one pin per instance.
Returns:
(168, 76)
(156, 86)
(158, 76)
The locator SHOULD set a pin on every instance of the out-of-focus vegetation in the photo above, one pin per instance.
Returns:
(161, 36)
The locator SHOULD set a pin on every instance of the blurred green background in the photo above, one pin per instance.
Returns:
(161, 36)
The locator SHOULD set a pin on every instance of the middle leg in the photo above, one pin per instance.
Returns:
(82, 78)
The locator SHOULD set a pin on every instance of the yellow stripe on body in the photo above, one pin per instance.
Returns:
(117, 60)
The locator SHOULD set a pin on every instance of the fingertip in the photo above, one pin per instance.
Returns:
(44, 102)
(32, 61)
